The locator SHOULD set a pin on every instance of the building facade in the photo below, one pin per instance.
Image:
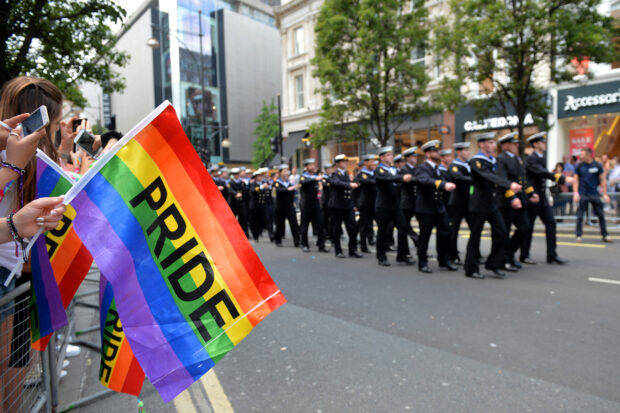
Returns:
(216, 61)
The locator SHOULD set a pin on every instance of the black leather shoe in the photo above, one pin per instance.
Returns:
(449, 267)
(384, 263)
(509, 267)
(425, 269)
(406, 260)
(498, 273)
(515, 263)
(528, 260)
(474, 275)
(391, 248)
(557, 260)
(371, 242)
(355, 254)
(365, 250)
(323, 249)
(457, 261)
(340, 255)
(306, 249)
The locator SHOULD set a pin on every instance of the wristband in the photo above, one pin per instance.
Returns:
(19, 241)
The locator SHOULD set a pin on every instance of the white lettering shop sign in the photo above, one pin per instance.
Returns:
(589, 100)
(501, 122)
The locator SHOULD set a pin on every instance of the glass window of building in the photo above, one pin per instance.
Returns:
(298, 36)
(299, 92)
(414, 137)
(417, 56)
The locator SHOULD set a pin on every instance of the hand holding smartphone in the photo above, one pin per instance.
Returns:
(86, 141)
(37, 120)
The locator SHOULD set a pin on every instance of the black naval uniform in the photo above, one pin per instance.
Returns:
(483, 207)
(341, 210)
(537, 175)
(311, 210)
(460, 174)
(258, 205)
(269, 209)
(388, 212)
(511, 167)
(238, 192)
(285, 210)
(431, 212)
(366, 206)
(407, 205)
(325, 199)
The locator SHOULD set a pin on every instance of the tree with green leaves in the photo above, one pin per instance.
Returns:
(64, 41)
(507, 51)
(370, 83)
(267, 127)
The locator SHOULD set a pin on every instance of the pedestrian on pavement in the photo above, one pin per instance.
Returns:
(589, 176)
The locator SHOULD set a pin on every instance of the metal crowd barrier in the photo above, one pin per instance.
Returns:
(565, 211)
(25, 380)
(29, 379)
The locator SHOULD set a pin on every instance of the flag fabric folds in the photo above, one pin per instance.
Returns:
(68, 260)
(187, 284)
(119, 369)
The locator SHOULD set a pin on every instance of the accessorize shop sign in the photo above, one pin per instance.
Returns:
(589, 100)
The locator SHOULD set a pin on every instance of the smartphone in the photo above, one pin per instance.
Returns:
(86, 140)
(37, 120)
(76, 123)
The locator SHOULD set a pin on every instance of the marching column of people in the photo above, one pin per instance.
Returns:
(441, 192)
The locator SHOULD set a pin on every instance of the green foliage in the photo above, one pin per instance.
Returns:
(64, 41)
(363, 61)
(514, 47)
(266, 128)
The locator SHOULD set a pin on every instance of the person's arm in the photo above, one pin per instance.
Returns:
(576, 196)
(603, 183)
(41, 213)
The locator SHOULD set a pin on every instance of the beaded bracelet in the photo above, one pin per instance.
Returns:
(19, 241)
(19, 171)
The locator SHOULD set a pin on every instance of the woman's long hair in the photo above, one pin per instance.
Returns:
(25, 94)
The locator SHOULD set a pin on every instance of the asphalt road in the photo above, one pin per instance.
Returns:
(356, 337)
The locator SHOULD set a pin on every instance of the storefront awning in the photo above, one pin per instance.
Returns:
(293, 142)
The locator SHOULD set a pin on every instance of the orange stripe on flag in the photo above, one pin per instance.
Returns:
(208, 227)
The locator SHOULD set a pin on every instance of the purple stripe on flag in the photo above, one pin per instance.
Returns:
(58, 316)
(148, 343)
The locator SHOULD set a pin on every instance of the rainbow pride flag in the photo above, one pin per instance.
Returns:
(188, 285)
(59, 253)
(119, 369)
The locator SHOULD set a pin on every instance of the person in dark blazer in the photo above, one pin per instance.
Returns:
(537, 175)
(387, 206)
(407, 201)
(458, 204)
(510, 166)
(328, 168)
(430, 209)
(311, 212)
(341, 207)
(259, 189)
(483, 207)
(238, 193)
(284, 207)
(366, 200)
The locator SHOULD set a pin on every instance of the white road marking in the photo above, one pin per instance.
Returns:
(603, 280)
